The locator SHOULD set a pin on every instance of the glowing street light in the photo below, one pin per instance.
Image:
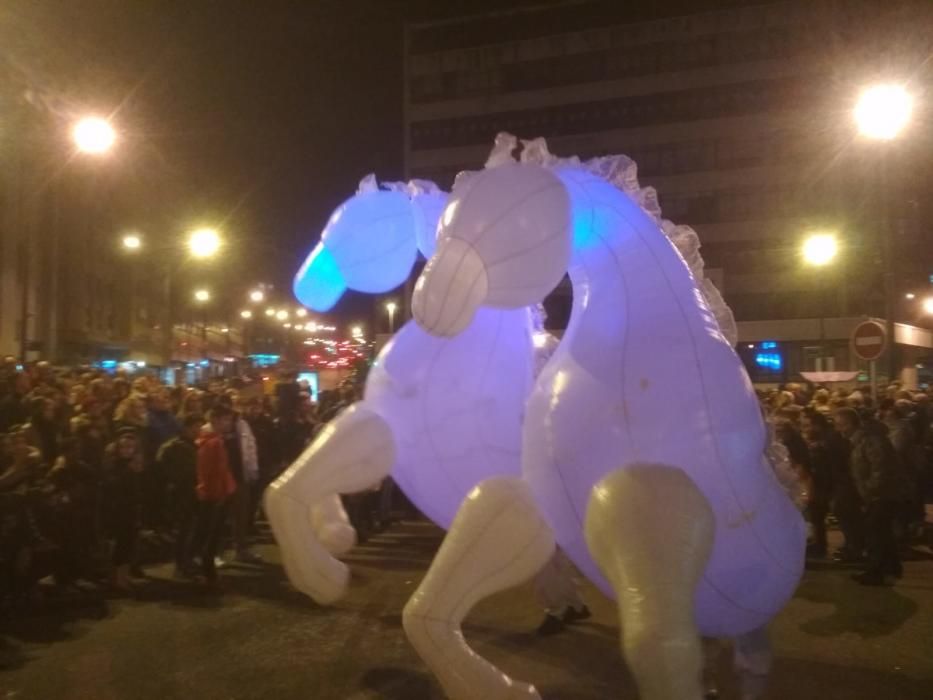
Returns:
(93, 135)
(286, 325)
(270, 311)
(202, 295)
(928, 305)
(131, 241)
(820, 249)
(910, 295)
(246, 313)
(882, 111)
(391, 306)
(301, 313)
(204, 243)
(281, 315)
(357, 332)
(256, 296)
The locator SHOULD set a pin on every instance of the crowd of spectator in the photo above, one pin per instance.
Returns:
(866, 463)
(94, 465)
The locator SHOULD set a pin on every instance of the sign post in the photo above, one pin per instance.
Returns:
(869, 341)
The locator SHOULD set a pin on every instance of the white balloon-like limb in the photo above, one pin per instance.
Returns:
(351, 453)
(437, 410)
(330, 522)
(643, 376)
(498, 519)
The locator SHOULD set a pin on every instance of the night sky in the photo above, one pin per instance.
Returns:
(260, 115)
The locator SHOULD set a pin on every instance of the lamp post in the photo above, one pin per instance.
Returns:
(202, 244)
(881, 114)
(91, 136)
(202, 297)
(132, 243)
(819, 250)
(391, 306)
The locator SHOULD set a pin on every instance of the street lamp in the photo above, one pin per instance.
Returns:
(132, 242)
(910, 295)
(204, 243)
(256, 296)
(270, 311)
(882, 111)
(246, 314)
(927, 305)
(282, 315)
(301, 313)
(93, 135)
(820, 249)
(391, 306)
(202, 296)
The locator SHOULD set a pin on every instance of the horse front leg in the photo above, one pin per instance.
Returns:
(352, 452)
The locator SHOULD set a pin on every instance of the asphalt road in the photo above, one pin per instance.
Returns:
(262, 640)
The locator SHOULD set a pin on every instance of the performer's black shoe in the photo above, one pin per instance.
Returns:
(869, 578)
(551, 625)
(572, 614)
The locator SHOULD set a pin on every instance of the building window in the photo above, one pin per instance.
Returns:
(586, 117)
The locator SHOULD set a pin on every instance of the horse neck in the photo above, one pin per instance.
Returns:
(633, 264)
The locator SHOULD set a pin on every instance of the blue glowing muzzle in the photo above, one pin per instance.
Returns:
(319, 283)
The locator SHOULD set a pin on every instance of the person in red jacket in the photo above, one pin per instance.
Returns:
(215, 485)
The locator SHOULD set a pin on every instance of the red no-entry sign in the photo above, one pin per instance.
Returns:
(869, 340)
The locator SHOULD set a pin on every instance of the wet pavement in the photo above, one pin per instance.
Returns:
(262, 640)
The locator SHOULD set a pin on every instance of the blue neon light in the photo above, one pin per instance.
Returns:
(769, 345)
(204, 363)
(262, 360)
(769, 360)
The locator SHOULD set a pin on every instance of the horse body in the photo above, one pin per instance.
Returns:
(643, 375)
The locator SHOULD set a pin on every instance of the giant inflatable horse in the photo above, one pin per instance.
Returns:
(437, 414)
(645, 456)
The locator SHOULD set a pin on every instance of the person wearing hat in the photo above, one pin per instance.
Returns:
(120, 496)
(882, 486)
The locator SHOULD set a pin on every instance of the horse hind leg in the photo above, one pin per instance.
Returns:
(650, 530)
(498, 540)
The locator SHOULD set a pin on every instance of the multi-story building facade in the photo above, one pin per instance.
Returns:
(740, 117)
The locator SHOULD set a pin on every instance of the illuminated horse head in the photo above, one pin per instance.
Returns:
(370, 242)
